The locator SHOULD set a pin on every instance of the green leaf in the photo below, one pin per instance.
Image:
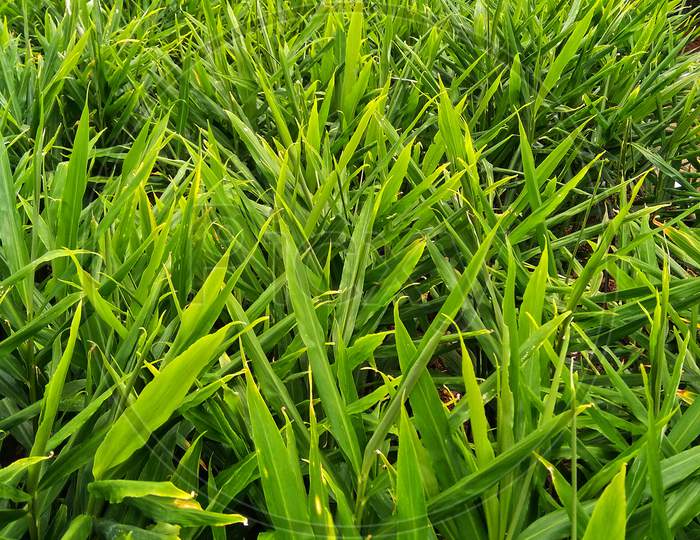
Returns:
(79, 529)
(281, 479)
(428, 345)
(13, 494)
(52, 396)
(473, 485)
(312, 336)
(411, 510)
(155, 404)
(353, 46)
(568, 51)
(610, 512)
(187, 513)
(12, 237)
(352, 280)
(117, 490)
(73, 191)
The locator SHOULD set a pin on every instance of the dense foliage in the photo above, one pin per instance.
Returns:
(416, 269)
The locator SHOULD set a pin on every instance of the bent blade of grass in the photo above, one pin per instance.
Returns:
(187, 513)
(28, 269)
(79, 420)
(12, 471)
(12, 494)
(156, 402)
(118, 490)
